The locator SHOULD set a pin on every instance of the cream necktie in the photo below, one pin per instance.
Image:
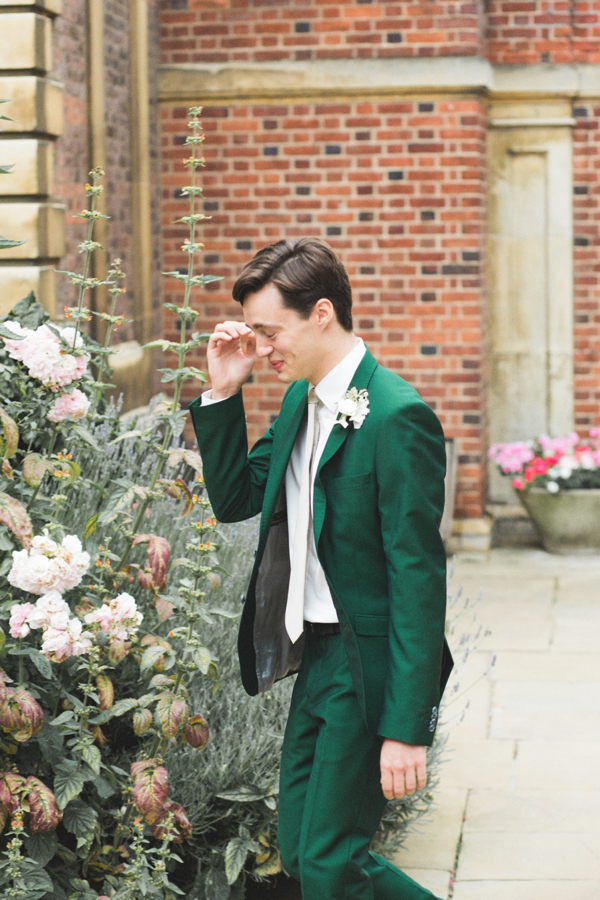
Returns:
(294, 611)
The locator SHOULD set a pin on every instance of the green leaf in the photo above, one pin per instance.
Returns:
(81, 820)
(28, 311)
(5, 541)
(122, 496)
(42, 846)
(35, 879)
(104, 788)
(6, 244)
(10, 335)
(202, 658)
(215, 886)
(43, 665)
(236, 854)
(246, 793)
(6, 170)
(150, 657)
(80, 890)
(92, 756)
(90, 526)
(119, 709)
(225, 613)
(68, 784)
(50, 742)
(125, 436)
(84, 435)
(67, 716)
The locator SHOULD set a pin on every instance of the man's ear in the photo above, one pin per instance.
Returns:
(323, 312)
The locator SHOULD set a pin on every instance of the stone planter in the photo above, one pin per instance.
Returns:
(568, 522)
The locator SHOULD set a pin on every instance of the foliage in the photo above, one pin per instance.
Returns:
(101, 640)
(564, 463)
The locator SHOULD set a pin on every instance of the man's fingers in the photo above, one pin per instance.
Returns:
(229, 331)
(410, 781)
(387, 785)
(403, 769)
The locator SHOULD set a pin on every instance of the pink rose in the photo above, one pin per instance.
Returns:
(19, 615)
(74, 405)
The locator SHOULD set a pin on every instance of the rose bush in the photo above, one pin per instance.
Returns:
(101, 627)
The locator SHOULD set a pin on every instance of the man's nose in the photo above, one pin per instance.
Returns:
(263, 347)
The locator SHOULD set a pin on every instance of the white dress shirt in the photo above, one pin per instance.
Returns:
(318, 604)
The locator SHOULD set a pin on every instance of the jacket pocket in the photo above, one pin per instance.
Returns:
(347, 483)
(376, 626)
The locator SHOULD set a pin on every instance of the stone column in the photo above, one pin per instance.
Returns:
(27, 210)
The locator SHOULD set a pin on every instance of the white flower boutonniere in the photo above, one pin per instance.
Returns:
(353, 407)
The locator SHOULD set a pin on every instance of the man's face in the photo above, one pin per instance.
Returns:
(293, 345)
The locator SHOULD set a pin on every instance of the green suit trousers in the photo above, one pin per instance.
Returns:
(331, 802)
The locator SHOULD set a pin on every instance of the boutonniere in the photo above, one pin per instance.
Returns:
(353, 407)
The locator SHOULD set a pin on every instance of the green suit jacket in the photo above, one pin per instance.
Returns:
(378, 502)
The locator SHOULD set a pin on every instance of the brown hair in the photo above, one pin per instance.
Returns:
(304, 271)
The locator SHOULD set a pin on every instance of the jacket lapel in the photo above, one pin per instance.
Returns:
(288, 428)
(339, 434)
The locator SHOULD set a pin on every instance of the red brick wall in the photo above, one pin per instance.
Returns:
(586, 208)
(72, 162)
(398, 189)
(264, 31)
(71, 157)
(543, 31)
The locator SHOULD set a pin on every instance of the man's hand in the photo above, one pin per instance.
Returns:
(402, 769)
(230, 357)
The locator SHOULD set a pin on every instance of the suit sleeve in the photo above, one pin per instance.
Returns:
(410, 465)
(235, 479)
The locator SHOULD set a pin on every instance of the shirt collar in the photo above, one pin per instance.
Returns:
(334, 385)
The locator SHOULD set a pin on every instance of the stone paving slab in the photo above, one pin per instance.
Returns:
(466, 715)
(580, 724)
(527, 890)
(434, 880)
(557, 765)
(433, 843)
(524, 626)
(525, 856)
(528, 747)
(544, 666)
(571, 636)
(530, 710)
(477, 764)
(539, 811)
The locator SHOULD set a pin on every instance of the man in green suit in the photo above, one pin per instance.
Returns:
(348, 586)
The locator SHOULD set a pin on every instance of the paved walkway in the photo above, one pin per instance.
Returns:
(518, 804)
